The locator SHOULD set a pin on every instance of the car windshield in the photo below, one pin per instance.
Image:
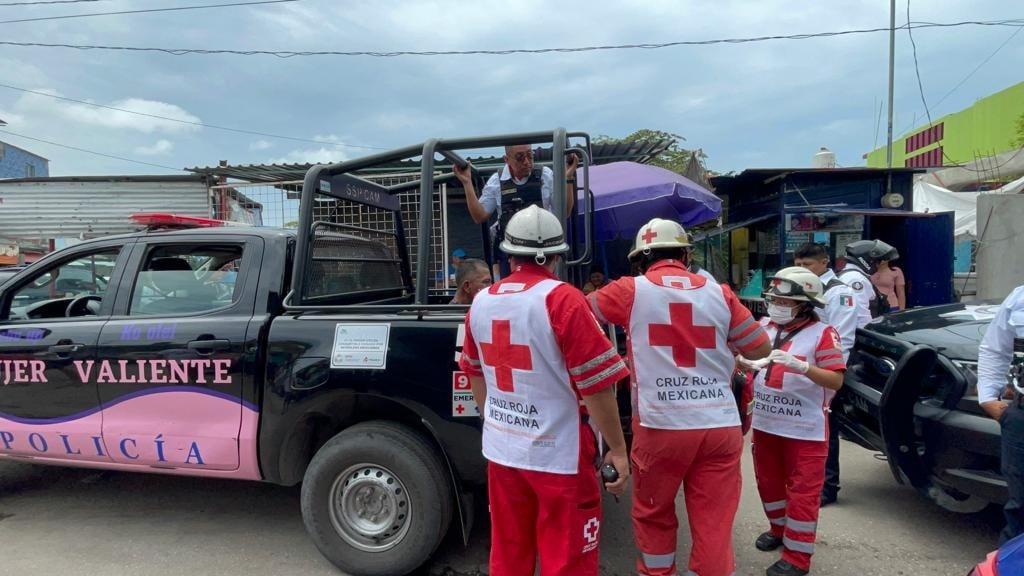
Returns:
(955, 330)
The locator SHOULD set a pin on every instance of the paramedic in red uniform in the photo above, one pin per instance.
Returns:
(533, 352)
(686, 428)
(790, 421)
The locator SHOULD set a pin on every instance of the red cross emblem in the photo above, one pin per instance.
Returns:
(504, 356)
(649, 236)
(460, 409)
(682, 335)
(773, 378)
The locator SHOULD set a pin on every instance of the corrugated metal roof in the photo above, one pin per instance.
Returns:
(94, 206)
(604, 153)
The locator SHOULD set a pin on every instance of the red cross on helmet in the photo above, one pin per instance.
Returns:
(796, 283)
(533, 231)
(659, 233)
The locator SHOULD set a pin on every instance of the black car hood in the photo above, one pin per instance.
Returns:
(955, 330)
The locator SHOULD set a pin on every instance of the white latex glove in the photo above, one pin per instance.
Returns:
(789, 361)
(751, 365)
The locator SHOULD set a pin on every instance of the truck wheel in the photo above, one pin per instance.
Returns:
(377, 499)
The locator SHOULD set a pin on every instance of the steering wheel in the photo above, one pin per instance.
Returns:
(89, 304)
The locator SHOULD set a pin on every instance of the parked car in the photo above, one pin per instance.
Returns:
(910, 392)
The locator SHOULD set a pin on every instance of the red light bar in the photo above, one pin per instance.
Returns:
(155, 221)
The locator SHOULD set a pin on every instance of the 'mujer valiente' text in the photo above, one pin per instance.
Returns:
(156, 371)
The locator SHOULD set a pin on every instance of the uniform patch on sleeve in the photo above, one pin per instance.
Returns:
(858, 286)
(846, 300)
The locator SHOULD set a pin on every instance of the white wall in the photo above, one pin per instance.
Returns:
(1000, 259)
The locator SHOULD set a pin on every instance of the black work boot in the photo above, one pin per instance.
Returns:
(828, 498)
(767, 542)
(783, 568)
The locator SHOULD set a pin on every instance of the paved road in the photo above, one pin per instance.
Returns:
(71, 522)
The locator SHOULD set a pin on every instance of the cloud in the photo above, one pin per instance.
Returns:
(12, 119)
(322, 155)
(159, 148)
(36, 104)
(770, 103)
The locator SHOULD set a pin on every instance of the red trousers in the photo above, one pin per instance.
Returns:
(707, 464)
(554, 516)
(790, 474)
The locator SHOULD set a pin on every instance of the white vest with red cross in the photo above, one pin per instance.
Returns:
(789, 404)
(681, 361)
(532, 414)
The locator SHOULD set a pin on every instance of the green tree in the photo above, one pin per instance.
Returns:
(674, 158)
(1020, 131)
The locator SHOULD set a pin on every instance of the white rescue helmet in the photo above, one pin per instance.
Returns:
(533, 231)
(659, 233)
(796, 283)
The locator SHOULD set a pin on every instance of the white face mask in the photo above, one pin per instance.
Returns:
(780, 314)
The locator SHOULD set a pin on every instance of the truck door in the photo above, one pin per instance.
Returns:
(173, 361)
(51, 319)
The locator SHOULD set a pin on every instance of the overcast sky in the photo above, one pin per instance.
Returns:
(769, 104)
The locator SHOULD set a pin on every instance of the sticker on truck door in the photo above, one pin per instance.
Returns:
(463, 403)
(360, 346)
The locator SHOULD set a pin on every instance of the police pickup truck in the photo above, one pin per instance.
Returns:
(284, 356)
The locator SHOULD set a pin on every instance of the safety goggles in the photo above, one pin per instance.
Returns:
(783, 287)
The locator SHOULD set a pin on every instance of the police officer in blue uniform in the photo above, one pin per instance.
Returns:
(996, 356)
(517, 185)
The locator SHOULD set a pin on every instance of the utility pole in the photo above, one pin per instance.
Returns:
(892, 70)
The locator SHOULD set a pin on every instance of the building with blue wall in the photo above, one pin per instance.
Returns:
(20, 163)
(772, 212)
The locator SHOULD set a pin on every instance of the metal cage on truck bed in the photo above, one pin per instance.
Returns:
(340, 263)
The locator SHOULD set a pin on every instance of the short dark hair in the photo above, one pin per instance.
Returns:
(812, 250)
(646, 260)
(597, 268)
(467, 267)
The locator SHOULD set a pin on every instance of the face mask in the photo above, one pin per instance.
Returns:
(780, 314)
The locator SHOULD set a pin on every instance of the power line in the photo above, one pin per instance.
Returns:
(972, 72)
(928, 113)
(179, 8)
(190, 122)
(93, 152)
(48, 2)
(398, 53)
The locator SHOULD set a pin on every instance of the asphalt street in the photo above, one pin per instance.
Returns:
(70, 522)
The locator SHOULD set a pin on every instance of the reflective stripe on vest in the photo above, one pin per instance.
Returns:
(791, 405)
(682, 365)
(531, 419)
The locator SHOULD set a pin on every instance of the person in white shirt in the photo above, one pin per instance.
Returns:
(517, 185)
(862, 258)
(994, 359)
(844, 312)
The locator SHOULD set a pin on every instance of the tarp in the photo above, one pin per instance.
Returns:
(964, 205)
(970, 175)
(628, 194)
(1015, 187)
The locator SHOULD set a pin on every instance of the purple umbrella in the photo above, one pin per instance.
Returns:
(628, 194)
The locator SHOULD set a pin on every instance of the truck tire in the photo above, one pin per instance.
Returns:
(377, 499)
